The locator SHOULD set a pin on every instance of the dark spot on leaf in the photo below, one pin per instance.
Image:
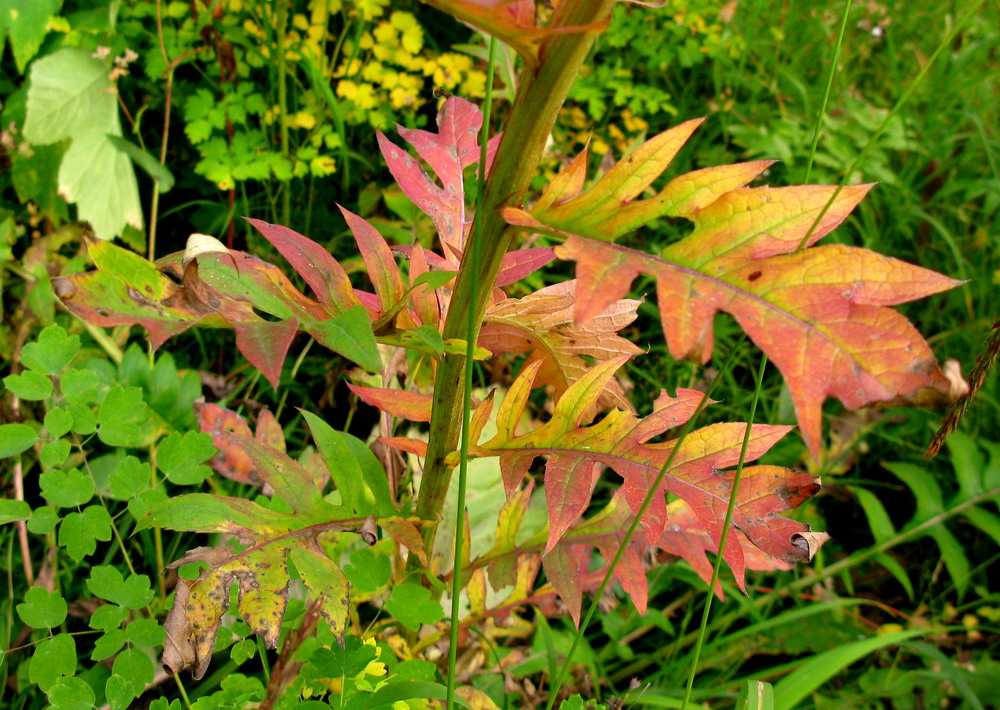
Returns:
(754, 276)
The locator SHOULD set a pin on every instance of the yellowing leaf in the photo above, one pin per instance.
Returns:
(820, 314)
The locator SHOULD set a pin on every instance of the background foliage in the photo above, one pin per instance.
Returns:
(216, 110)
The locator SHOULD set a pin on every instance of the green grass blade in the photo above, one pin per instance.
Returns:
(716, 571)
(756, 695)
(829, 88)
(821, 667)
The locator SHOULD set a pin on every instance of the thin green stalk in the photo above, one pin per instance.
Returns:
(688, 427)
(945, 43)
(829, 88)
(286, 191)
(710, 595)
(470, 347)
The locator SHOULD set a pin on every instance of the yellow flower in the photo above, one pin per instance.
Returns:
(633, 124)
(303, 119)
(474, 84)
(322, 165)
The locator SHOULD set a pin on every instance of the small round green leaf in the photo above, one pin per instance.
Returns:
(54, 453)
(58, 421)
(135, 666)
(52, 352)
(42, 609)
(29, 385)
(71, 694)
(66, 489)
(43, 520)
(79, 386)
(107, 582)
(52, 658)
(84, 421)
(16, 438)
(11, 510)
(119, 692)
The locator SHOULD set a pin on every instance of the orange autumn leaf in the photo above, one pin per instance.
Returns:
(820, 314)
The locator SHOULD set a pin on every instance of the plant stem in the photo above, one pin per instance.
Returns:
(470, 346)
(538, 100)
(286, 193)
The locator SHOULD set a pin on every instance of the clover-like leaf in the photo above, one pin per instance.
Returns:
(51, 352)
(42, 609)
(108, 583)
(182, 457)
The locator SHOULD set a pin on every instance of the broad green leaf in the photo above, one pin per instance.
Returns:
(145, 633)
(349, 334)
(368, 571)
(108, 645)
(161, 175)
(71, 694)
(42, 609)
(108, 617)
(29, 385)
(79, 532)
(413, 606)
(119, 691)
(58, 421)
(135, 666)
(52, 658)
(121, 416)
(54, 453)
(353, 468)
(130, 478)
(815, 312)
(27, 25)
(79, 386)
(11, 510)
(16, 438)
(182, 457)
(84, 419)
(107, 582)
(71, 97)
(43, 520)
(52, 352)
(66, 489)
(406, 690)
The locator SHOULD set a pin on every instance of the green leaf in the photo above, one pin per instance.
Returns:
(412, 605)
(325, 582)
(352, 465)
(54, 453)
(430, 336)
(58, 422)
(43, 520)
(42, 609)
(338, 662)
(53, 351)
(107, 582)
(130, 478)
(27, 24)
(817, 670)
(79, 386)
(181, 457)
(119, 692)
(70, 96)
(145, 633)
(108, 617)
(120, 417)
(756, 695)
(161, 175)
(84, 421)
(71, 694)
(16, 438)
(144, 502)
(136, 667)
(349, 334)
(66, 489)
(368, 571)
(108, 645)
(52, 658)
(80, 532)
(243, 651)
(407, 690)
(29, 385)
(11, 510)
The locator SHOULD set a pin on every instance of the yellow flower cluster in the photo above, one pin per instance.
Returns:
(579, 126)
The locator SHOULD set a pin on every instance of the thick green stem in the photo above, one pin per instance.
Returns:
(532, 116)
